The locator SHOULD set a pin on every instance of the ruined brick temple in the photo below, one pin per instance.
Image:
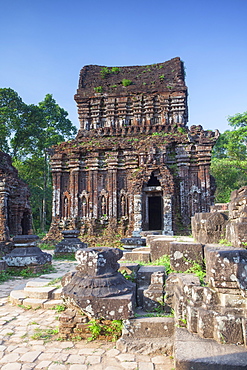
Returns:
(15, 209)
(134, 165)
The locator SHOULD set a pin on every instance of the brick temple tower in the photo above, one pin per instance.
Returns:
(134, 165)
(15, 209)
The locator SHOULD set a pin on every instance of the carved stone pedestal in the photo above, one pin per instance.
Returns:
(27, 254)
(97, 288)
(70, 244)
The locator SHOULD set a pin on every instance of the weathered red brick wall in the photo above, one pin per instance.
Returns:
(133, 145)
(15, 209)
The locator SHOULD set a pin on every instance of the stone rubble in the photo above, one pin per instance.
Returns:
(19, 351)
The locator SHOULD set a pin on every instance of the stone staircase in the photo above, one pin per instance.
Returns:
(38, 294)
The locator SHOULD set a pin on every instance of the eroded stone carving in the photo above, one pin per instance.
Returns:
(27, 254)
(70, 244)
(97, 288)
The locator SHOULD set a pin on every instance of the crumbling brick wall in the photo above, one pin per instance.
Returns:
(15, 209)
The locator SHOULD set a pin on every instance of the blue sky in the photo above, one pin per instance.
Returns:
(44, 44)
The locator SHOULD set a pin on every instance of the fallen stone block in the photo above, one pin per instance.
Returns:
(226, 267)
(148, 327)
(153, 297)
(228, 329)
(144, 280)
(137, 255)
(160, 246)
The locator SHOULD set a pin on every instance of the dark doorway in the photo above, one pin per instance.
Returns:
(155, 213)
(25, 223)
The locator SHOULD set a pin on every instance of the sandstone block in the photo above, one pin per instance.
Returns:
(148, 327)
(226, 267)
(39, 293)
(205, 323)
(160, 246)
(228, 330)
(182, 255)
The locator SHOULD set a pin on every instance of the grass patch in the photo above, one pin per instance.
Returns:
(65, 256)
(25, 273)
(46, 246)
(59, 308)
(45, 334)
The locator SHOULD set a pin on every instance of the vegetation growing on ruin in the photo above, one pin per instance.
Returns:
(165, 261)
(107, 329)
(126, 82)
(98, 89)
(105, 71)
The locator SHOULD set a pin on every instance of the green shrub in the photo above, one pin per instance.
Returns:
(98, 89)
(126, 82)
(115, 70)
(105, 72)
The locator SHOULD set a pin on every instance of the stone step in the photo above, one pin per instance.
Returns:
(39, 293)
(193, 352)
(19, 297)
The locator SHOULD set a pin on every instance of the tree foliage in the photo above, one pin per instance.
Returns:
(229, 165)
(27, 132)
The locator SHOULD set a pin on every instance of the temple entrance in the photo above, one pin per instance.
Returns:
(25, 223)
(153, 203)
(155, 213)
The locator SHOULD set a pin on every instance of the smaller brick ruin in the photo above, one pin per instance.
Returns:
(15, 209)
